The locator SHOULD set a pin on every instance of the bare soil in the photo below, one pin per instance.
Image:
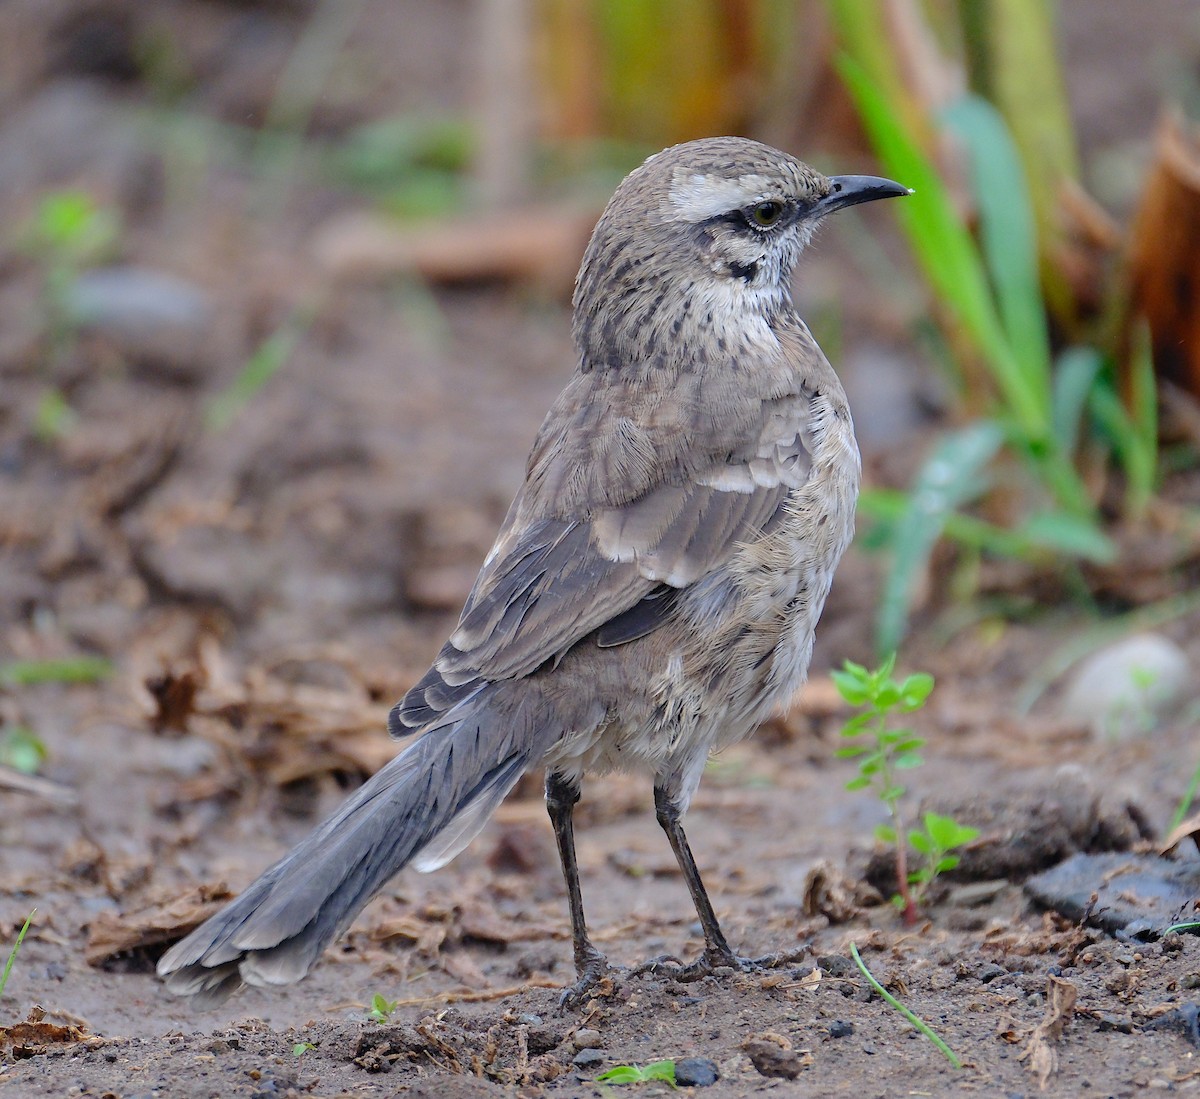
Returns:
(266, 590)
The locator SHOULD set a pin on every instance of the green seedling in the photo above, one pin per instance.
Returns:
(12, 954)
(882, 752)
(22, 750)
(381, 1008)
(910, 1015)
(301, 1048)
(934, 842)
(639, 1074)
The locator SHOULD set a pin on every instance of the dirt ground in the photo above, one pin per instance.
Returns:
(265, 590)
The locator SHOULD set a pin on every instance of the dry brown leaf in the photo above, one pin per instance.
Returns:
(110, 935)
(1165, 253)
(1040, 1052)
(1183, 830)
(34, 1035)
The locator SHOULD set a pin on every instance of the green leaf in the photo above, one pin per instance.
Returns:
(632, 1074)
(920, 841)
(906, 761)
(892, 793)
(916, 689)
(859, 783)
(946, 832)
(1069, 535)
(856, 724)
(850, 751)
(946, 862)
(887, 696)
(885, 833)
(1009, 244)
(22, 750)
(851, 687)
(1074, 375)
(948, 478)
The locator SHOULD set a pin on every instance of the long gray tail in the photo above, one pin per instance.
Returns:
(423, 807)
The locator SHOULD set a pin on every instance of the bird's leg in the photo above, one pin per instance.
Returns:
(717, 951)
(591, 966)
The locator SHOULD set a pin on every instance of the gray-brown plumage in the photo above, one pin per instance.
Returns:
(653, 592)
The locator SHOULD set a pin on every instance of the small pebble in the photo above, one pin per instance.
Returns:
(1106, 1020)
(587, 1039)
(840, 1028)
(836, 966)
(588, 1058)
(529, 1020)
(990, 972)
(696, 1072)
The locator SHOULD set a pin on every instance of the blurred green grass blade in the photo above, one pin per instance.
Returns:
(863, 35)
(1025, 81)
(266, 361)
(949, 478)
(78, 669)
(1007, 236)
(1069, 535)
(1143, 399)
(1133, 432)
(943, 246)
(1074, 376)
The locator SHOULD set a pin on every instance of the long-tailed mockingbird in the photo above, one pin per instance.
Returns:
(653, 591)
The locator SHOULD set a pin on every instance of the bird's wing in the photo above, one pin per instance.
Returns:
(626, 501)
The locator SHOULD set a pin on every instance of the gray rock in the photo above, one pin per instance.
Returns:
(154, 318)
(696, 1072)
(588, 1058)
(1124, 689)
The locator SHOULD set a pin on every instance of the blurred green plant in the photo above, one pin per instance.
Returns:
(22, 750)
(68, 233)
(1037, 412)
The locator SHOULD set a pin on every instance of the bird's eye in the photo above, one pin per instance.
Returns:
(765, 214)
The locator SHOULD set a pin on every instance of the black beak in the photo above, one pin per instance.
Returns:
(851, 190)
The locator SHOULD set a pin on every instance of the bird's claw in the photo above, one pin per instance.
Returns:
(594, 978)
(713, 961)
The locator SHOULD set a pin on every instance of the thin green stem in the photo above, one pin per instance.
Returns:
(12, 954)
(1185, 803)
(911, 1016)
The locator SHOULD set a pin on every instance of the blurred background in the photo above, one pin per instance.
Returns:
(284, 294)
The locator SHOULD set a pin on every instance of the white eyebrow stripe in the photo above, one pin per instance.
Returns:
(694, 197)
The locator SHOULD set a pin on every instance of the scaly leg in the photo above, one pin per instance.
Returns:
(591, 966)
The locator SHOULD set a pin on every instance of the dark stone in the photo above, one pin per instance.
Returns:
(835, 965)
(840, 1028)
(588, 1058)
(990, 972)
(696, 1072)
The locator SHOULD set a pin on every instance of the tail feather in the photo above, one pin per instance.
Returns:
(424, 807)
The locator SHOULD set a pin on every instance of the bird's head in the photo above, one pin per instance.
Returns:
(709, 223)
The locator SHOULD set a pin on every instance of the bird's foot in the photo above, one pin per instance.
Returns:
(716, 960)
(594, 977)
